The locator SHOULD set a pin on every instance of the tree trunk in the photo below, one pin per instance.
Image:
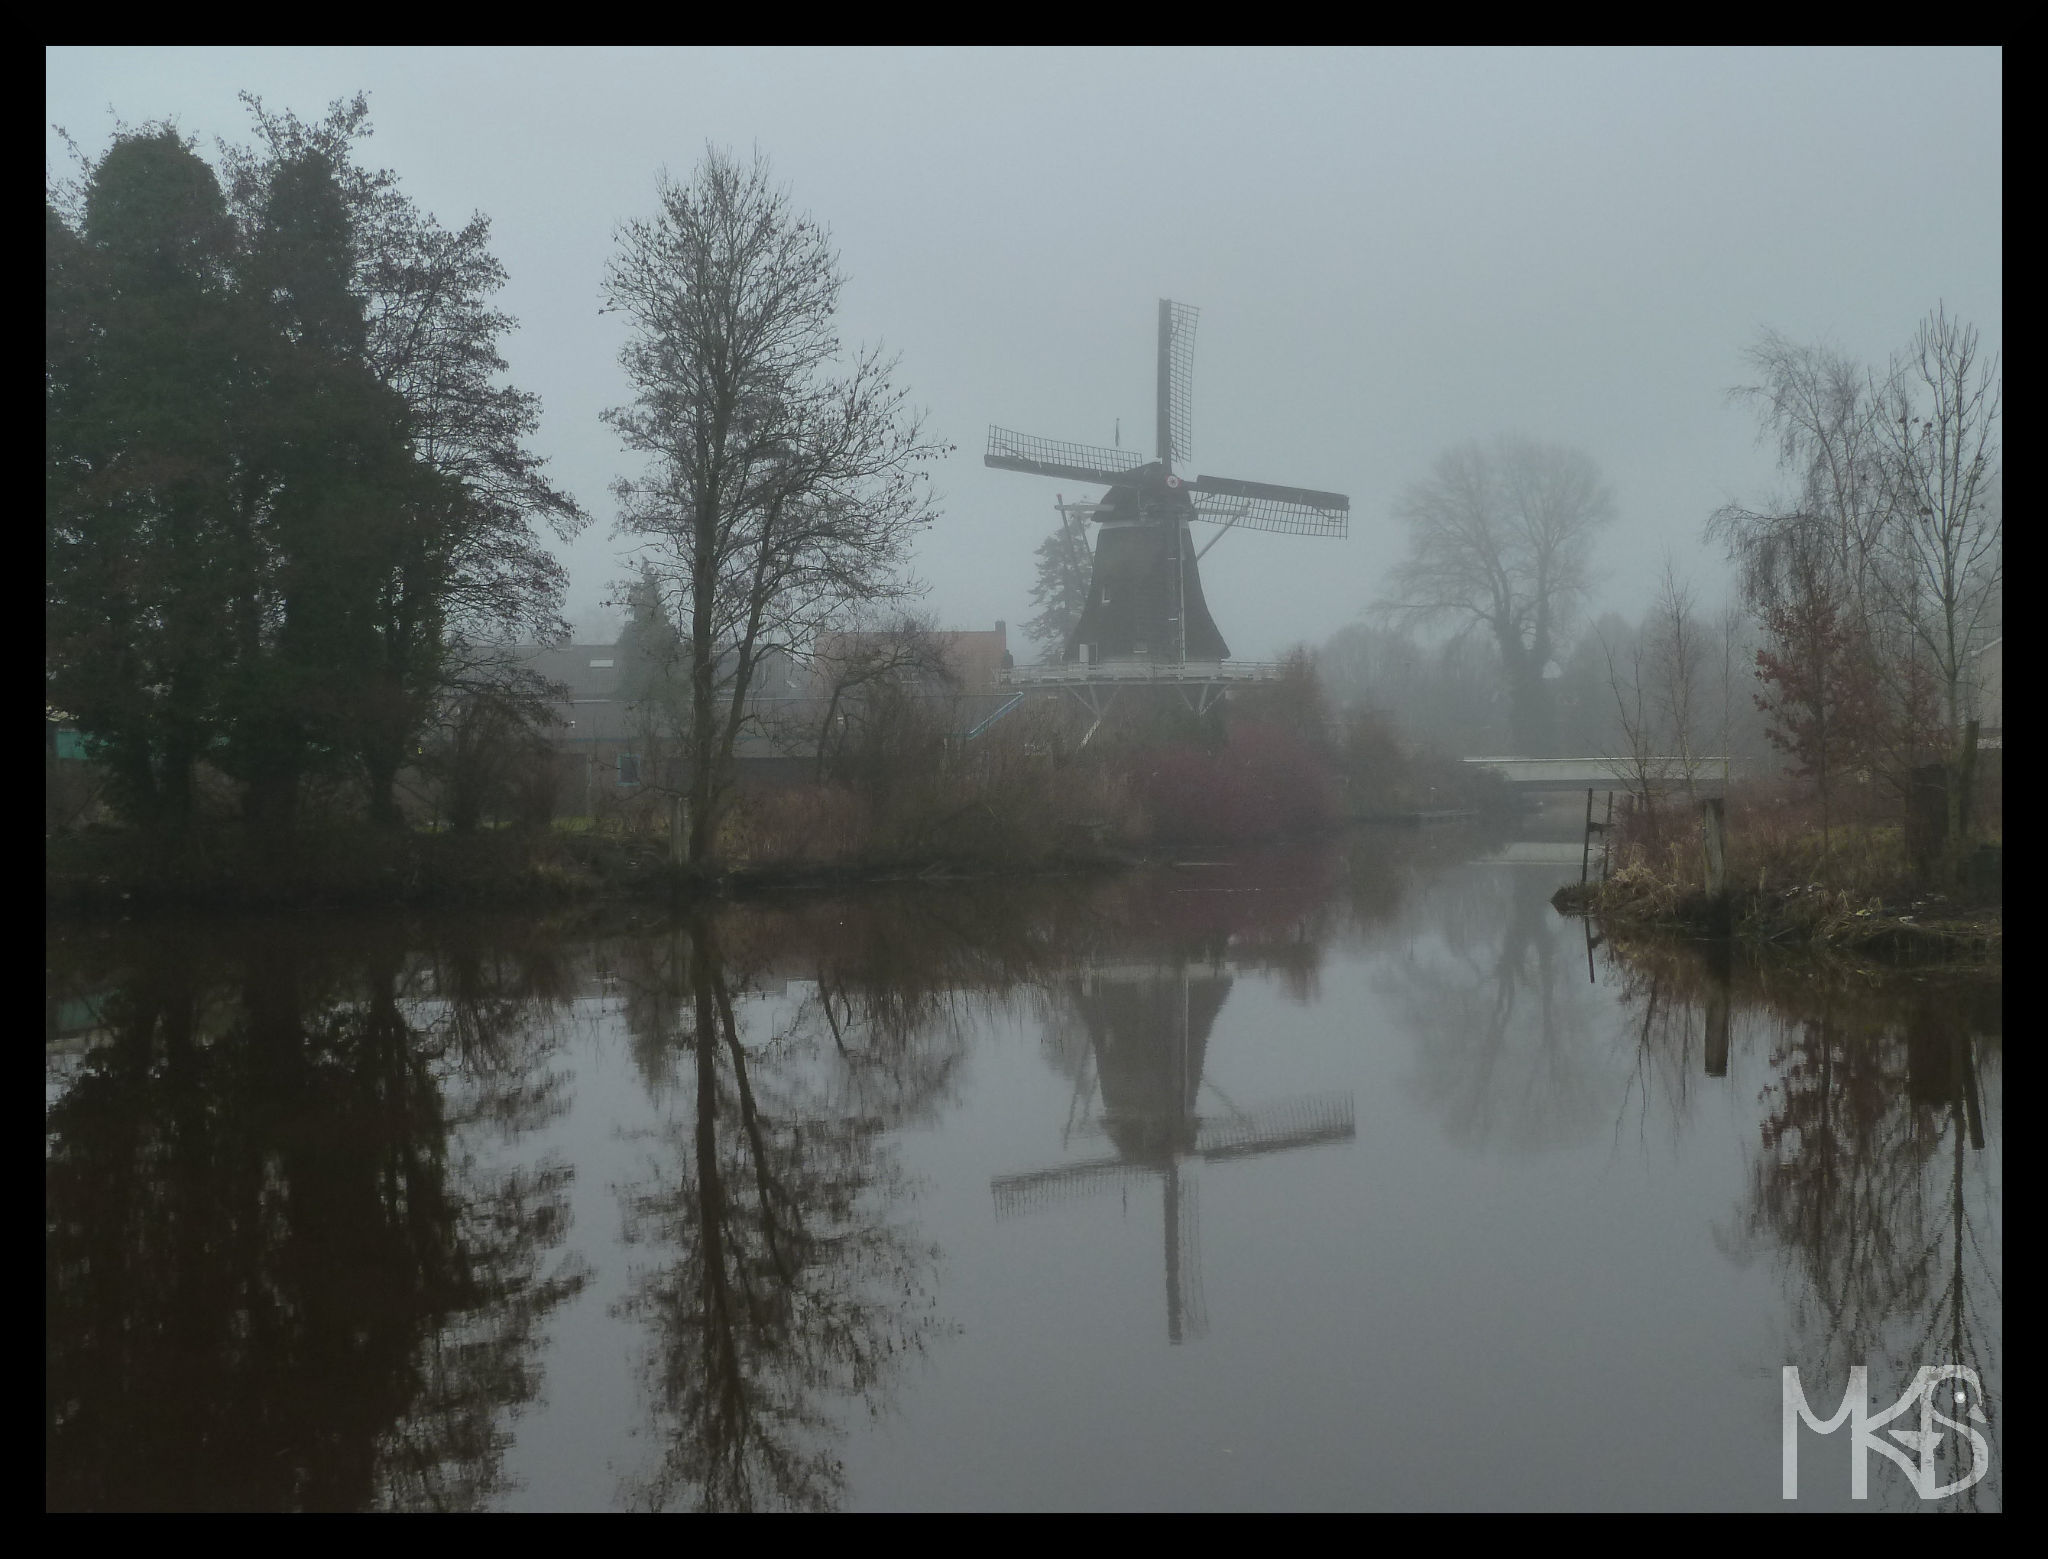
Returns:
(1527, 716)
(174, 796)
(1962, 772)
(385, 735)
(381, 764)
(1927, 816)
(271, 800)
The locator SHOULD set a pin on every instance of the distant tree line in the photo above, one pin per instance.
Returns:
(290, 504)
(1864, 594)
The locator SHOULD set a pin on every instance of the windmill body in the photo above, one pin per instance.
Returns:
(1147, 617)
(1145, 600)
(1149, 1027)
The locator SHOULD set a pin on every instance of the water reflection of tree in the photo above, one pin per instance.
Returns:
(1873, 1188)
(273, 1280)
(788, 1292)
(1871, 1185)
(1507, 1041)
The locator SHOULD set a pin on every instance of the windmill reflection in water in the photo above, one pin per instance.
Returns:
(1140, 1085)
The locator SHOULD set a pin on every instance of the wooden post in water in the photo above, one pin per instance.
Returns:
(1713, 822)
(1586, 840)
(1607, 838)
(677, 828)
(1719, 974)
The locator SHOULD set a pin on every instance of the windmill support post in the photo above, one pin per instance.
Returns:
(1221, 532)
(1713, 845)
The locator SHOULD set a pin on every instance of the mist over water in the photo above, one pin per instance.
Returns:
(1349, 1177)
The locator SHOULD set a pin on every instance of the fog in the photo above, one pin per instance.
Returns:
(1392, 251)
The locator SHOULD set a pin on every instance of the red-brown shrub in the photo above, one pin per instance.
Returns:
(1264, 782)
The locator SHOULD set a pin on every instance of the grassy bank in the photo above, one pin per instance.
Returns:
(1852, 895)
(119, 873)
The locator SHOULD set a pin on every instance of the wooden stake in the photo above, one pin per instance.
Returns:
(1586, 841)
(1712, 822)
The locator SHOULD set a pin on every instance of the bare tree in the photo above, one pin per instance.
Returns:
(1730, 651)
(1678, 664)
(1816, 406)
(1886, 559)
(1629, 679)
(1808, 565)
(1945, 541)
(777, 490)
(859, 667)
(490, 750)
(1501, 537)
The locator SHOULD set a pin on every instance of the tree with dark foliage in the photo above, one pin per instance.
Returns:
(142, 382)
(290, 504)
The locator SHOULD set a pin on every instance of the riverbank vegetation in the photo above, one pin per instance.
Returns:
(1865, 890)
(1044, 790)
(1874, 590)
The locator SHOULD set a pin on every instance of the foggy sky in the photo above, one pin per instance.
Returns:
(1393, 251)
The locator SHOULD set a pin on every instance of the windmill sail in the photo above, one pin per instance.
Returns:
(1038, 1188)
(1294, 511)
(1010, 451)
(1176, 382)
(1278, 1128)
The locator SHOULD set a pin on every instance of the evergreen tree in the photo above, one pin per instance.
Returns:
(333, 442)
(141, 382)
(1066, 566)
(289, 501)
(462, 563)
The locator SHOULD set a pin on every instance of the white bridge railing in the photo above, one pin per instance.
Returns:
(1620, 773)
(1066, 673)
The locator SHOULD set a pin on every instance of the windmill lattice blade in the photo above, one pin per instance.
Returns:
(1296, 1123)
(1042, 1187)
(1010, 451)
(1181, 382)
(1297, 511)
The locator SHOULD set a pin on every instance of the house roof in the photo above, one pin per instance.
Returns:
(587, 670)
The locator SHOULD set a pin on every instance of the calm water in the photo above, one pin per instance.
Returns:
(1350, 1180)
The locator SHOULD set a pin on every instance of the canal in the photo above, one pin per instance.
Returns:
(1348, 1178)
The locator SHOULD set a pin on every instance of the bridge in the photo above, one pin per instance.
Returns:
(1660, 773)
(1080, 673)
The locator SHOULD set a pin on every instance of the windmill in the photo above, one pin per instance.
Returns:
(1146, 617)
(1148, 1029)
